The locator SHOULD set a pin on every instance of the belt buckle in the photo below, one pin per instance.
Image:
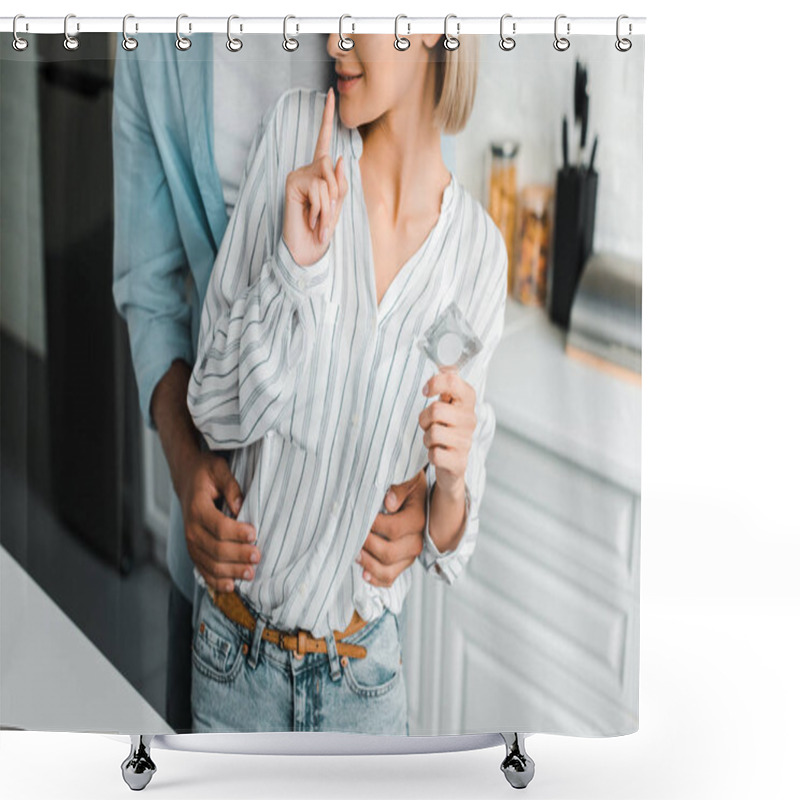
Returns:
(282, 640)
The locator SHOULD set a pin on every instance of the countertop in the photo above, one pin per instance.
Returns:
(572, 409)
(53, 677)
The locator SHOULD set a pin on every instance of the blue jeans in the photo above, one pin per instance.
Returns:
(269, 689)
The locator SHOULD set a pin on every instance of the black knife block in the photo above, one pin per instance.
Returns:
(576, 199)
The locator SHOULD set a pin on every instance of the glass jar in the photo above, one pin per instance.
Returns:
(530, 274)
(503, 195)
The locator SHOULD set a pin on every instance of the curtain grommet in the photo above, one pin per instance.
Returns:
(507, 43)
(71, 43)
(401, 43)
(182, 42)
(290, 44)
(623, 44)
(18, 43)
(345, 42)
(451, 42)
(561, 43)
(233, 44)
(129, 43)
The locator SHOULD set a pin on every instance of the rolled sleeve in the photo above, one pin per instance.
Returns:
(315, 278)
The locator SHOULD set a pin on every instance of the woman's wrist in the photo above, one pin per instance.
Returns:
(447, 514)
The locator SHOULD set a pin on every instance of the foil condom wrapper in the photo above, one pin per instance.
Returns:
(450, 342)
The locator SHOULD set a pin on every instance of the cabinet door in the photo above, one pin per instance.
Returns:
(541, 632)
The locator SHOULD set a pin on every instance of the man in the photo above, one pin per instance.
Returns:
(182, 127)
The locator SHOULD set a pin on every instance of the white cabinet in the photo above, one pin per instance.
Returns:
(542, 631)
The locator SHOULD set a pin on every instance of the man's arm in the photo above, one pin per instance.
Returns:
(149, 291)
(220, 547)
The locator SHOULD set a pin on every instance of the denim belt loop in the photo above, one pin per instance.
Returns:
(333, 658)
(255, 644)
(197, 598)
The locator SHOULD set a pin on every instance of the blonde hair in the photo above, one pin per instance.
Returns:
(456, 81)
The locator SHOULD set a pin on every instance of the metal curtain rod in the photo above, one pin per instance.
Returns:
(190, 24)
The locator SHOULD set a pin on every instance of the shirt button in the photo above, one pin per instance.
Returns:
(303, 282)
(302, 588)
(355, 419)
(336, 507)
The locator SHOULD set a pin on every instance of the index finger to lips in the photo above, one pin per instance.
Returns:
(326, 128)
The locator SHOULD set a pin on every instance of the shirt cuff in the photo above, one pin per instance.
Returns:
(302, 280)
(448, 564)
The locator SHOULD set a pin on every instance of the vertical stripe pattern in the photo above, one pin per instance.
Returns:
(317, 389)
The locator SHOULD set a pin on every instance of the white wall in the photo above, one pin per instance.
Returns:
(21, 254)
(527, 103)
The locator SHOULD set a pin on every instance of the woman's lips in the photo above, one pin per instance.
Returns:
(346, 83)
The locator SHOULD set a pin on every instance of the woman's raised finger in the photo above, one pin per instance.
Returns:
(341, 187)
(326, 128)
(328, 175)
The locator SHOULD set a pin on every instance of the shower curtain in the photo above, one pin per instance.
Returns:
(225, 290)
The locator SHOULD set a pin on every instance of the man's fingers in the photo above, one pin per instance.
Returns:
(326, 128)
(222, 527)
(217, 570)
(379, 575)
(228, 486)
(391, 551)
(408, 521)
(400, 492)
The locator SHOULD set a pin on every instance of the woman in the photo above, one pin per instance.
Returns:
(309, 369)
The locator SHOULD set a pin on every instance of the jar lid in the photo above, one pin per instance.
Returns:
(506, 149)
(535, 197)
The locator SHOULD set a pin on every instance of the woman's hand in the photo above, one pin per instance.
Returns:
(314, 196)
(449, 423)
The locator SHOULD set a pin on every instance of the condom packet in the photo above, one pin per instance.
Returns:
(450, 342)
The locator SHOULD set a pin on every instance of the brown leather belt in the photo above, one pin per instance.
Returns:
(300, 643)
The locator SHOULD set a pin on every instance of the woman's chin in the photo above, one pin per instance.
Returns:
(348, 118)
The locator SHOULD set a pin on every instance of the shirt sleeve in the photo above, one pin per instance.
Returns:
(149, 265)
(486, 319)
(258, 322)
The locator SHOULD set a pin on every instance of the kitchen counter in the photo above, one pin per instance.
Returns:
(574, 410)
(53, 677)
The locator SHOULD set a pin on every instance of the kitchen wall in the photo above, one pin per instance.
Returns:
(534, 95)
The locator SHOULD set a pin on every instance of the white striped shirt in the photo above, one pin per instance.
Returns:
(318, 389)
